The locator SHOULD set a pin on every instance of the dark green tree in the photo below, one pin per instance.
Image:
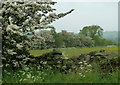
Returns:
(92, 31)
(58, 39)
(68, 38)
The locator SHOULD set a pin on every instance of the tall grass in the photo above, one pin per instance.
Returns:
(50, 77)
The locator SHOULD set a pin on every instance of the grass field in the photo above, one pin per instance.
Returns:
(71, 52)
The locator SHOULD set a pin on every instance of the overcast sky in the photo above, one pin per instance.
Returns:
(104, 14)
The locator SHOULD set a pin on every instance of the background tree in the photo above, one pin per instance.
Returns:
(92, 31)
(20, 20)
(86, 41)
(58, 39)
(68, 38)
(76, 40)
(59, 43)
(48, 39)
(96, 33)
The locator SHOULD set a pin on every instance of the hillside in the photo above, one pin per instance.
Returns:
(111, 35)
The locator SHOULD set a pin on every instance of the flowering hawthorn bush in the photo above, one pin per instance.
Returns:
(19, 22)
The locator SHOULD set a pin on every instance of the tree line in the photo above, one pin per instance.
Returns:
(89, 36)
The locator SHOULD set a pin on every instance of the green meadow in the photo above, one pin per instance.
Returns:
(71, 52)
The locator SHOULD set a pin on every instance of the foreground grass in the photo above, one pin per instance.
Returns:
(57, 77)
(72, 52)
